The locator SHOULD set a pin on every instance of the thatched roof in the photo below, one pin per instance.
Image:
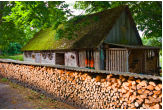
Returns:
(90, 36)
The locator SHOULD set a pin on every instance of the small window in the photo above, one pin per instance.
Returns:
(60, 60)
(33, 56)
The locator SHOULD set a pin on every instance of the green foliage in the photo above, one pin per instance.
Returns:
(92, 6)
(146, 14)
(4, 79)
(154, 41)
(22, 19)
(12, 49)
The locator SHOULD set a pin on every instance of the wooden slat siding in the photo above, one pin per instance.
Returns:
(127, 60)
(124, 61)
(107, 61)
(116, 37)
(129, 30)
(114, 40)
(113, 61)
(116, 59)
(118, 31)
(110, 59)
(120, 60)
(82, 57)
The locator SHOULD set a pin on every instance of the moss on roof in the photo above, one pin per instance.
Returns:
(90, 36)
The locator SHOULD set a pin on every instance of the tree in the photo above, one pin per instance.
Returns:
(146, 14)
(20, 20)
(153, 41)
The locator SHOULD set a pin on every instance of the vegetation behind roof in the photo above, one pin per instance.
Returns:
(88, 36)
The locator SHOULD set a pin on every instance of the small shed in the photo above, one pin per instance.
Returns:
(111, 42)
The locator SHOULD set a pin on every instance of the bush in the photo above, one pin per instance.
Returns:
(12, 49)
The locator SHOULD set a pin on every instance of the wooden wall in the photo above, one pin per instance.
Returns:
(122, 32)
(47, 60)
(29, 59)
(70, 59)
(82, 56)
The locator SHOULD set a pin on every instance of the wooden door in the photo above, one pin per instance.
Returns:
(37, 57)
(117, 59)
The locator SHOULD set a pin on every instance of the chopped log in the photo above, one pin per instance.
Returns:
(138, 80)
(136, 104)
(158, 88)
(133, 87)
(143, 96)
(139, 91)
(157, 106)
(143, 83)
(152, 83)
(157, 92)
(150, 87)
(98, 78)
(132, 98)
(146, 91)
(151, 93)
(123, 90)
(148, 101)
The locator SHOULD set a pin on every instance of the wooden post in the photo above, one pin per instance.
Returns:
(126, 60)
(107, 59)
(120, 60)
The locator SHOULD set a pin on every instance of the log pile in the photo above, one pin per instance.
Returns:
(151, 64)
(88, 90)
(135, 66)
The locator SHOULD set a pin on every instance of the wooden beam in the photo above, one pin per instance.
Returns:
(126, 60)
(107, 61)
(122, 61)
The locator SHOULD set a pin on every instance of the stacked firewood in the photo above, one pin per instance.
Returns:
(151, 64)
(131, 58)
(88, 90)
(135, 67)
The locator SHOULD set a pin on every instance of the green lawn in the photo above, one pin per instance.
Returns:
(14, 57)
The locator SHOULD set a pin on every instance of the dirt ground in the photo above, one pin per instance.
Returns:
(14, 96)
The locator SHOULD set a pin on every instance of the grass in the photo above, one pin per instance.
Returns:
(4, 80)
(14, 57)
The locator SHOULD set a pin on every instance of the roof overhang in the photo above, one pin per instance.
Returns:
(134, 46)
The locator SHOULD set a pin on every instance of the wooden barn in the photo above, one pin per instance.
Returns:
(111, 43)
